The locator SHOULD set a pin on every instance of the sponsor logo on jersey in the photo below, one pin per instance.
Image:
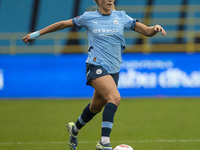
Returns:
(105, 30)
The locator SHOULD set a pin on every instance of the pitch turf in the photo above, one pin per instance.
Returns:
(145, 124)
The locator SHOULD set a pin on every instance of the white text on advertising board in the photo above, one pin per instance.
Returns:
(1, 80)
(152, 74)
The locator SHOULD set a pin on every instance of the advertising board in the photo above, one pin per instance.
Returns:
(63, 76)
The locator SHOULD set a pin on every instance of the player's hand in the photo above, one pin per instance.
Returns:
(158, 28)
(27, 39)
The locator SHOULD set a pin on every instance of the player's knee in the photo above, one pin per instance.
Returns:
(115, 99)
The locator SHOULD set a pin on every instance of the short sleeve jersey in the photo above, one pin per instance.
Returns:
(105, 37)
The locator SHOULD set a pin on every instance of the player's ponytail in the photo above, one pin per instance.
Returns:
(97, 2)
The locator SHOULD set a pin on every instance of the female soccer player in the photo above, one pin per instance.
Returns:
(104, 28)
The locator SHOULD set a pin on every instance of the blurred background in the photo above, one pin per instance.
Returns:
(54, 65)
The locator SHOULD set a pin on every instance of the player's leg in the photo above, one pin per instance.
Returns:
(97, 103)
(88, 113)
(106, 88)
(96, 76)
(93, 73)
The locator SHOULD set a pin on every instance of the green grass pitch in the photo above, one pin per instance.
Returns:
(144, 124)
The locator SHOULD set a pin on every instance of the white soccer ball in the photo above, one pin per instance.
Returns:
(123, 147)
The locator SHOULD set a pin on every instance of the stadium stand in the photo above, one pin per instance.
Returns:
(180, 18)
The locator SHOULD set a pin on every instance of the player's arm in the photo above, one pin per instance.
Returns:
(52, 28)
(148, 31)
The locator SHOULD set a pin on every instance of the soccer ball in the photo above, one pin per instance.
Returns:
(123, 147)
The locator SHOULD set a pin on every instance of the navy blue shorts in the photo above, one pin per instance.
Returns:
(94, 71)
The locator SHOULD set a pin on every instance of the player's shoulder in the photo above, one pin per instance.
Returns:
(120, 13)
(89, 14)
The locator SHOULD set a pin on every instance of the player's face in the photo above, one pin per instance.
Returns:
(106, 5)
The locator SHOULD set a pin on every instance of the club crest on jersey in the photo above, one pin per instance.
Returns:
(98, 71)
(116, 22)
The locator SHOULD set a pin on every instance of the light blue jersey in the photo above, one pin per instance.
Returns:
(105, 37)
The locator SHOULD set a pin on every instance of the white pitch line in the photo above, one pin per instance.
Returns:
(88, 142)
(161, 141)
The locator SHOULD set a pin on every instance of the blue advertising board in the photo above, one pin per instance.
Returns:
(160, 75)
(43, 76)
(63, 76)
